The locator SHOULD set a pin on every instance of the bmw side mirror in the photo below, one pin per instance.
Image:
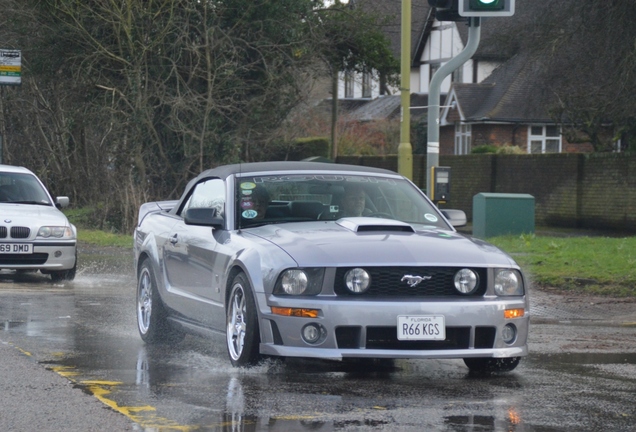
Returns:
(62, 202)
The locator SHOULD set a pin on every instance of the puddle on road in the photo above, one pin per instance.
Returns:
(586, 358)
(8, 325)
(511, 423)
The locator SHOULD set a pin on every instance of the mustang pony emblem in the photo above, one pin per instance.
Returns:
(414, 280)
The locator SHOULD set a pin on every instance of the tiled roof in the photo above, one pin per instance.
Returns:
(512, 93)
(385, 107)
(379, 108)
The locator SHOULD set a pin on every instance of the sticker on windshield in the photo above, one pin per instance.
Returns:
(249, 214)
(246, 192)
(248, 185)
(430, 217)
(247, 203)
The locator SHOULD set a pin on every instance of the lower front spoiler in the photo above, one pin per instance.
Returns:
(339, 354)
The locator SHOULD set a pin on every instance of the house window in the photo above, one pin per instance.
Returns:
(348, 82)
(462, 139)
(544, 139)
(366, 85)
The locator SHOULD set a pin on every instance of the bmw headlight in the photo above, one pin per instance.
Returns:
(508, 282)
(466, 281)
(56, 232)
(300, 281)
(357, 280)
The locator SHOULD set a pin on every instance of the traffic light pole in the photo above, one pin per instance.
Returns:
(432, 148)
(405, 149)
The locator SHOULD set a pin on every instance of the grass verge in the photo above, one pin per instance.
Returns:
(594, 265)
(103, 238)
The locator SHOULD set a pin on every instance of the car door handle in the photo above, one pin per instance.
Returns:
(174, 239)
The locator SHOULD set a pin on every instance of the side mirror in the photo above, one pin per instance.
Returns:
(457, 218)
(62, 202)
(203, 217)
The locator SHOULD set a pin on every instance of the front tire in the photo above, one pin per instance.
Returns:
(64, 275)
(152, 322)
(492, 365)
(242, 334)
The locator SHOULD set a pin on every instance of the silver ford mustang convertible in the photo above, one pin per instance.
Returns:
(330, 261)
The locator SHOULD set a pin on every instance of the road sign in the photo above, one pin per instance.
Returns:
(10, 67)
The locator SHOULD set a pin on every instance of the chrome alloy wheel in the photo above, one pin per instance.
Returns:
(144, 301)
(236, 323)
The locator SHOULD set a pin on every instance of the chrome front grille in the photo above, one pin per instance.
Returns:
(3, 232)
(387, 282)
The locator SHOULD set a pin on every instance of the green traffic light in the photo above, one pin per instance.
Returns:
(486, 5)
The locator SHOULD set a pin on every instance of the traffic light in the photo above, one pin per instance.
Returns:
(486, 8)
(446, 10)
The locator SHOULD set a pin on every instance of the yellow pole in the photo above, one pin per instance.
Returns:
(405, 150)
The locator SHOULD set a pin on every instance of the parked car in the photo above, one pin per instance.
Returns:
(34, 233)
(265, 254)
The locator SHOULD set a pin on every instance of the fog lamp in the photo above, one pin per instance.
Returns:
(313, 333)
(466, 281)
(509, 333)
(357, 280)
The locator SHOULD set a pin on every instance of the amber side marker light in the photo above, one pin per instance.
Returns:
(304, 313)
(513, 313)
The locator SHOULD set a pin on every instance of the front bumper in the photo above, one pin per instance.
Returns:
(59, 255)
(368, 328)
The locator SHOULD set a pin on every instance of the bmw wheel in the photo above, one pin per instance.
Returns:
(151, 314)
(490, 365)
(64, 275)
(242, 333)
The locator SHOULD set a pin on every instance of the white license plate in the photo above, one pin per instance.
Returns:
(16, 248)
(421, 327)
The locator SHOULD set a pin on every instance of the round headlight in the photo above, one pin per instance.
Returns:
(465, 281)
(45, 231)
(507, 283)
(357, 280)
(294, 282)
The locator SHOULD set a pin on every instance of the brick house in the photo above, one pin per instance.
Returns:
(494, 98)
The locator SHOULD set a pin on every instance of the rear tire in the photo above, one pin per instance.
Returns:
(492, 365)
(242, 331)
(152, 317)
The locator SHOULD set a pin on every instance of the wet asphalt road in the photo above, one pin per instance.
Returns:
(71, 360)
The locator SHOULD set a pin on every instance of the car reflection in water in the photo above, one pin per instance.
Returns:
(251, 397)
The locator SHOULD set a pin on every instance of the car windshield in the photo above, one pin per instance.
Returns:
(274, 199)
(22, 188)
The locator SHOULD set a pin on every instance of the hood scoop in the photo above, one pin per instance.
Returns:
(370, 224)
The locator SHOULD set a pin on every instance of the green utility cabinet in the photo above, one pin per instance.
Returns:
(501, 214)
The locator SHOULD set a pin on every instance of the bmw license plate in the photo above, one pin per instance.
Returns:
(421, 327)
(16, 248)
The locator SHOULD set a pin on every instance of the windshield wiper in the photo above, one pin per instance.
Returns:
(29, 202)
